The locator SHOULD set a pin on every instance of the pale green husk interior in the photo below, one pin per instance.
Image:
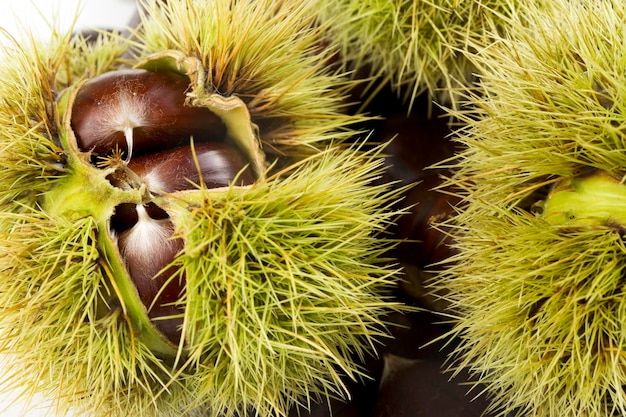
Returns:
(597, 199)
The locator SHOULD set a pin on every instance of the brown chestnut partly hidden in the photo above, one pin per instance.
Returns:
(217, 164)
(148, 248)
(139, 111)
(144, 231)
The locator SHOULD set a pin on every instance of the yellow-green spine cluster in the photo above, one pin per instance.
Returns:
(415, 46)
(537, 287)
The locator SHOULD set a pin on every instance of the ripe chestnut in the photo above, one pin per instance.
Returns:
(175, 170)
(139, 111)
(144, 231)
(148, 248)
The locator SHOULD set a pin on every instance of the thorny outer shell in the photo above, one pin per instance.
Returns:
(539, 297)
(326, 199)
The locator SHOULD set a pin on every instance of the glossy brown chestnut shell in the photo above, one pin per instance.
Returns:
(149, 106)
(148, 248)
(216, 164)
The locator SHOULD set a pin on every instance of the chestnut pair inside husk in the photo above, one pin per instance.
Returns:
(139, 126)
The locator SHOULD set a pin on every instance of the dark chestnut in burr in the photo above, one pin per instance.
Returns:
(421, 139)
(218, 164)
(144, 231)
(147, 248)
(126, 216)
(139, 111)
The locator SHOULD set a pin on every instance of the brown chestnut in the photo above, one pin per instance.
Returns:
(418, 140)
(176, 170)
(139, 111)
(148, 248)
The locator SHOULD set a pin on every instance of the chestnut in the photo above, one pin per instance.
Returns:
(147, 248)
(139, 111)
(218, 163)
(412, 387)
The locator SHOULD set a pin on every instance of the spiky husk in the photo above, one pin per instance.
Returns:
(286, 290)
(30, 158)
(286, 283)
(539, 307)
(417, 46)
(58, 343)
(299, 282)
(268, 53)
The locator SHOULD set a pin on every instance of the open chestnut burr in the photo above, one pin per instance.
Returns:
(137, 124)
(206, 262)
(190, 226)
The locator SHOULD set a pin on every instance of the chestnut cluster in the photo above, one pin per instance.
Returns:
(140, 120)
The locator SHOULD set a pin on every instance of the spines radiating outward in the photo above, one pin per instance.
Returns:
(537, 287)
(264, 278)
(416, 46)
(294, 95)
